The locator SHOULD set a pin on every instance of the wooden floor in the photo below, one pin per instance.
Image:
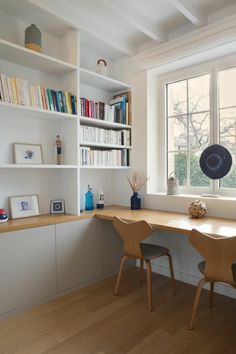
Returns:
(92, 321)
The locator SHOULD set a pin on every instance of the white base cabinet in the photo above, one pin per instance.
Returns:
(27, 267)
(40, 263)
(79, 252)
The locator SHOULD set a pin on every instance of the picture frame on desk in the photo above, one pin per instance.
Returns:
(27, 153)
(24, 206)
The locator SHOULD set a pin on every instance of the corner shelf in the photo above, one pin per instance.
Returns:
(103, 123)
(104, 146)
(15, 53)
(32, 112)
(44, 166)
(105, 83)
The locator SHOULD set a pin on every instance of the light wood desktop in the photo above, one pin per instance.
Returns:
(162, 220)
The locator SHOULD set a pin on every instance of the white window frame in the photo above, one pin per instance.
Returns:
(212, 68)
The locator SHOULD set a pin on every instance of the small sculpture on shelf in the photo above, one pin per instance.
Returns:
(33, 38)
(172, 184)
(197, 209)
(3, 215)
(59, 148)
(136, 182)
(102, 67)
(100, 203)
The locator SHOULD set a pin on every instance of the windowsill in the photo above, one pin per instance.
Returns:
(191, 196)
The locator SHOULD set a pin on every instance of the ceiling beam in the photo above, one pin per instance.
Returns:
(71, 15)
(190, 11)
(132, 17)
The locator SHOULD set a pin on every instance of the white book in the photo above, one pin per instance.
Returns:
(5, 90)
(9, 87)
(1, 90)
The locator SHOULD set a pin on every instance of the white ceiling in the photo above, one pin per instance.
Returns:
(130, 26)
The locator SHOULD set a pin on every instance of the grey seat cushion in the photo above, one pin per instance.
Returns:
(201, 267)
(152, 251)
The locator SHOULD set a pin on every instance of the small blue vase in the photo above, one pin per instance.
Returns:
(135, 201)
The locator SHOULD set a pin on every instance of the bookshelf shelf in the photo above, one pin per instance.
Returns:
(102, 123)
(22, 56)
(31, 112)
(105, 167)
(104, 146)
(28, 166)
(102, 82)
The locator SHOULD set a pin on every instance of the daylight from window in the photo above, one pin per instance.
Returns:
(189, 130)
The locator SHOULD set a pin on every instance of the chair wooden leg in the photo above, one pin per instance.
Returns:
(172, 273)
(122, 262)
(149, 283)
(196, 301)
(211, 293)
(141, 271)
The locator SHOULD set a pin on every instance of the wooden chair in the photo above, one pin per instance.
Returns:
(133, 234)
(219, 263)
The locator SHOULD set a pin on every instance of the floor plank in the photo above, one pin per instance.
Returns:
(93, 321)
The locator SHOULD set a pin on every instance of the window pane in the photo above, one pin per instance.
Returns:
(197, 177)
(177, 98)
(177, 162)
(177, 133)
(229, 181)
(199, 130)
(227, 79)
(228, 128)
(199, 93)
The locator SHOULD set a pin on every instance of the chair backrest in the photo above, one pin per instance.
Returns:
(132, 233)
(219, 254)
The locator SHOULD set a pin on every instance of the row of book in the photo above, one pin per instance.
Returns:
(21, 92)
(104, 158)
(104, 136)
(117, 110)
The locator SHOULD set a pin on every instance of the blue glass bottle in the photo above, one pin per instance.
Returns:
(89, 199)
(135, 201)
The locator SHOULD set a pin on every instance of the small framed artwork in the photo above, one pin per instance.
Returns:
(24, 206)
(57, 206)
(28, 153)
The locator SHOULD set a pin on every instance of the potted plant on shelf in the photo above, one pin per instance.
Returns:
(136, 182)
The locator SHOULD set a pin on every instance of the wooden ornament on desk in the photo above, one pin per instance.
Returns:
(197, 209)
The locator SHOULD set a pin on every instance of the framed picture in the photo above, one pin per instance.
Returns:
(24, 206)
(28, 153)
(57, 206)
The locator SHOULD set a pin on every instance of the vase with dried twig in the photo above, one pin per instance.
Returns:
(137, 181)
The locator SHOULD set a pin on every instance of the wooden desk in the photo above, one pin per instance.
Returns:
(162, 220)
(170, 221)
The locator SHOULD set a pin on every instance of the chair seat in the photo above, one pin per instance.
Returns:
(201, 267)
(152, 251)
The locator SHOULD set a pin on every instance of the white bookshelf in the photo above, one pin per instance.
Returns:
(55, 69)
(102, 123)
(12, 52)
(31, 112)
(33, 166)
(101, 82)
(104, 146)
(105, 167)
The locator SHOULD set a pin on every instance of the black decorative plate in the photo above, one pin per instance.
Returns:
(215, 161)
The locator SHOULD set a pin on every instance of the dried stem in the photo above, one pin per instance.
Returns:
(137, 181)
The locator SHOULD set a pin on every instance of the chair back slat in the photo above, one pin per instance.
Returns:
(132, 234)
(219, 254)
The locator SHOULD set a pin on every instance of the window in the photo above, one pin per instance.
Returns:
(200, 110)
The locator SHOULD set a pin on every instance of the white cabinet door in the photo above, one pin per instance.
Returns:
(79, 252)
(27, 267)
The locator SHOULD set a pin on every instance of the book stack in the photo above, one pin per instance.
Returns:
(21, 92)
(104, 136)
(104, 158)
(117, 111)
